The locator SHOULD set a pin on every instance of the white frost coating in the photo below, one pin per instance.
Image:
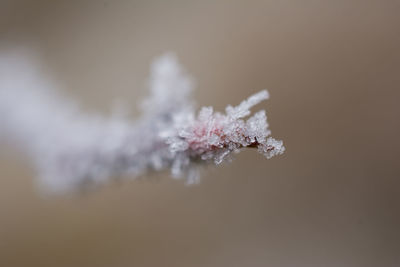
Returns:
(72, 149)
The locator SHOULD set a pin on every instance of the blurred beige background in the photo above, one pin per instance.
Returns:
(333, 71)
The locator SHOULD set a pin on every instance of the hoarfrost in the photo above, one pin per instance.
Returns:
(71, 149)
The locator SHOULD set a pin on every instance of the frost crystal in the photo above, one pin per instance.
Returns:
(72, 149)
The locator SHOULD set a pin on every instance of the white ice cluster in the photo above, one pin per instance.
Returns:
(72, 149)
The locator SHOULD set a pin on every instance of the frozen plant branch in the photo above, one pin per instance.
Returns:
(71, 149)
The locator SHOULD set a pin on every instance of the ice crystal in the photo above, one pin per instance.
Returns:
(71, 149)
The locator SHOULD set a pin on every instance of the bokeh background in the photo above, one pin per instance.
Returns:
(333, 71)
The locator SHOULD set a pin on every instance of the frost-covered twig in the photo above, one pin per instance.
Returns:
(71, 148)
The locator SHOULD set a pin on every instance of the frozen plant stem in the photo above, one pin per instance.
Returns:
(71, 148)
